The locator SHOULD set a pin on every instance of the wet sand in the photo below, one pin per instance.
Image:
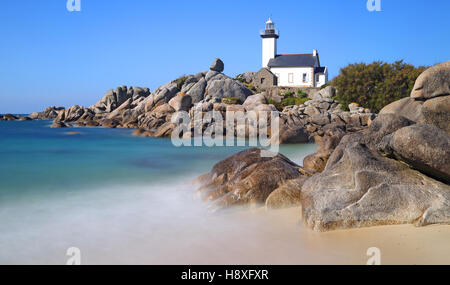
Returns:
(399, 244)
(163, 225)
(278, 237)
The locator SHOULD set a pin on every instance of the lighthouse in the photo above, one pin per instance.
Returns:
(269, 42)
(287, 70)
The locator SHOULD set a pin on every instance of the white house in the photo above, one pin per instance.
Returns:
(289, 70)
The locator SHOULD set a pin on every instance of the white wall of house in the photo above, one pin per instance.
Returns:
(269, 50)
(294, 76)
(321, 79)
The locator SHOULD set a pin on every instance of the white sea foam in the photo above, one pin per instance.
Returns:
(164, 224)
(154, 224)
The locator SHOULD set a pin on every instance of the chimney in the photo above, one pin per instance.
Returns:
(314, 52)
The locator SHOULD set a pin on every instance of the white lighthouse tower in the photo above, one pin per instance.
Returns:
(269, 42)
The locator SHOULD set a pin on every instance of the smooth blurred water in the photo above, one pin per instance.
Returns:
(37, 158)
(57, 187)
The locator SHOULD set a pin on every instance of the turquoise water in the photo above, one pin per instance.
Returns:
(37, 158)
(57, 189)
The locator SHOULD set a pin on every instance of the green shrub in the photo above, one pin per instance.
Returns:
(289, 99)
(275, 103)
(301, 94)
(288, 94)
(180, 82)
(240, 79)
(324, 86)
(250, 86)
(231, 100)
(293, 101)
(375, 85)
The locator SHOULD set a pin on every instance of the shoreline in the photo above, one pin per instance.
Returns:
(399, 244)
(142, 224)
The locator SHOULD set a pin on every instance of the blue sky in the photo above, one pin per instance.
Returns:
(49, 56)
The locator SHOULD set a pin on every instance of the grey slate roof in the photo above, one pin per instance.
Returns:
(319, 69)
(282, 60)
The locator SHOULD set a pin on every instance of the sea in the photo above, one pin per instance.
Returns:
(99, 189)
(102, 196)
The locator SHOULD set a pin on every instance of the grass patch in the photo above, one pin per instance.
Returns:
(289, 99)
(231, 100)
(180, 82)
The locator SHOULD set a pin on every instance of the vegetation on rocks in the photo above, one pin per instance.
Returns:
(180, 81)
(231, 100)
(375, 85)
(289, 99)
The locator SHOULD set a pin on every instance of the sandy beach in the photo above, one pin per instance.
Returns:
(399, 244)
(145, 216)
(261, 236)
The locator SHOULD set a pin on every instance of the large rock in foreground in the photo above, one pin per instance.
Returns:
(406, 107)
(433, 82)
(246, 178)
(424, 147)
(430, 99)
(363, 188)
(287, 195)
(436, 111)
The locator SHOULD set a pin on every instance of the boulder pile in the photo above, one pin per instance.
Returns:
(150, 113)
(321, 117)
(394, 171)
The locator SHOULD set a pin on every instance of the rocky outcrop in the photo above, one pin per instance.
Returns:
(381, 171)
(181, 102)
(220, 88)
(433, 82)
(198, 90)
(429, 102)
(287, 195)
(317, 161)
(115, 98)
(75, 113)
(217, 65)
(136, 107)
(188, 93)
(246, 77)
(436, 111)
(406, 107)
(365, 189)
(325, 94)
(320, 117)
(254, 101)
(8, 117)
(49, 113)
(246, 178)
(423, 147)
(58, 124)
(394, 172)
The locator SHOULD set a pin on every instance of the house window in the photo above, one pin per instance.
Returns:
(317, 77)
(262, 80)
(291, 77)
(305, 77)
